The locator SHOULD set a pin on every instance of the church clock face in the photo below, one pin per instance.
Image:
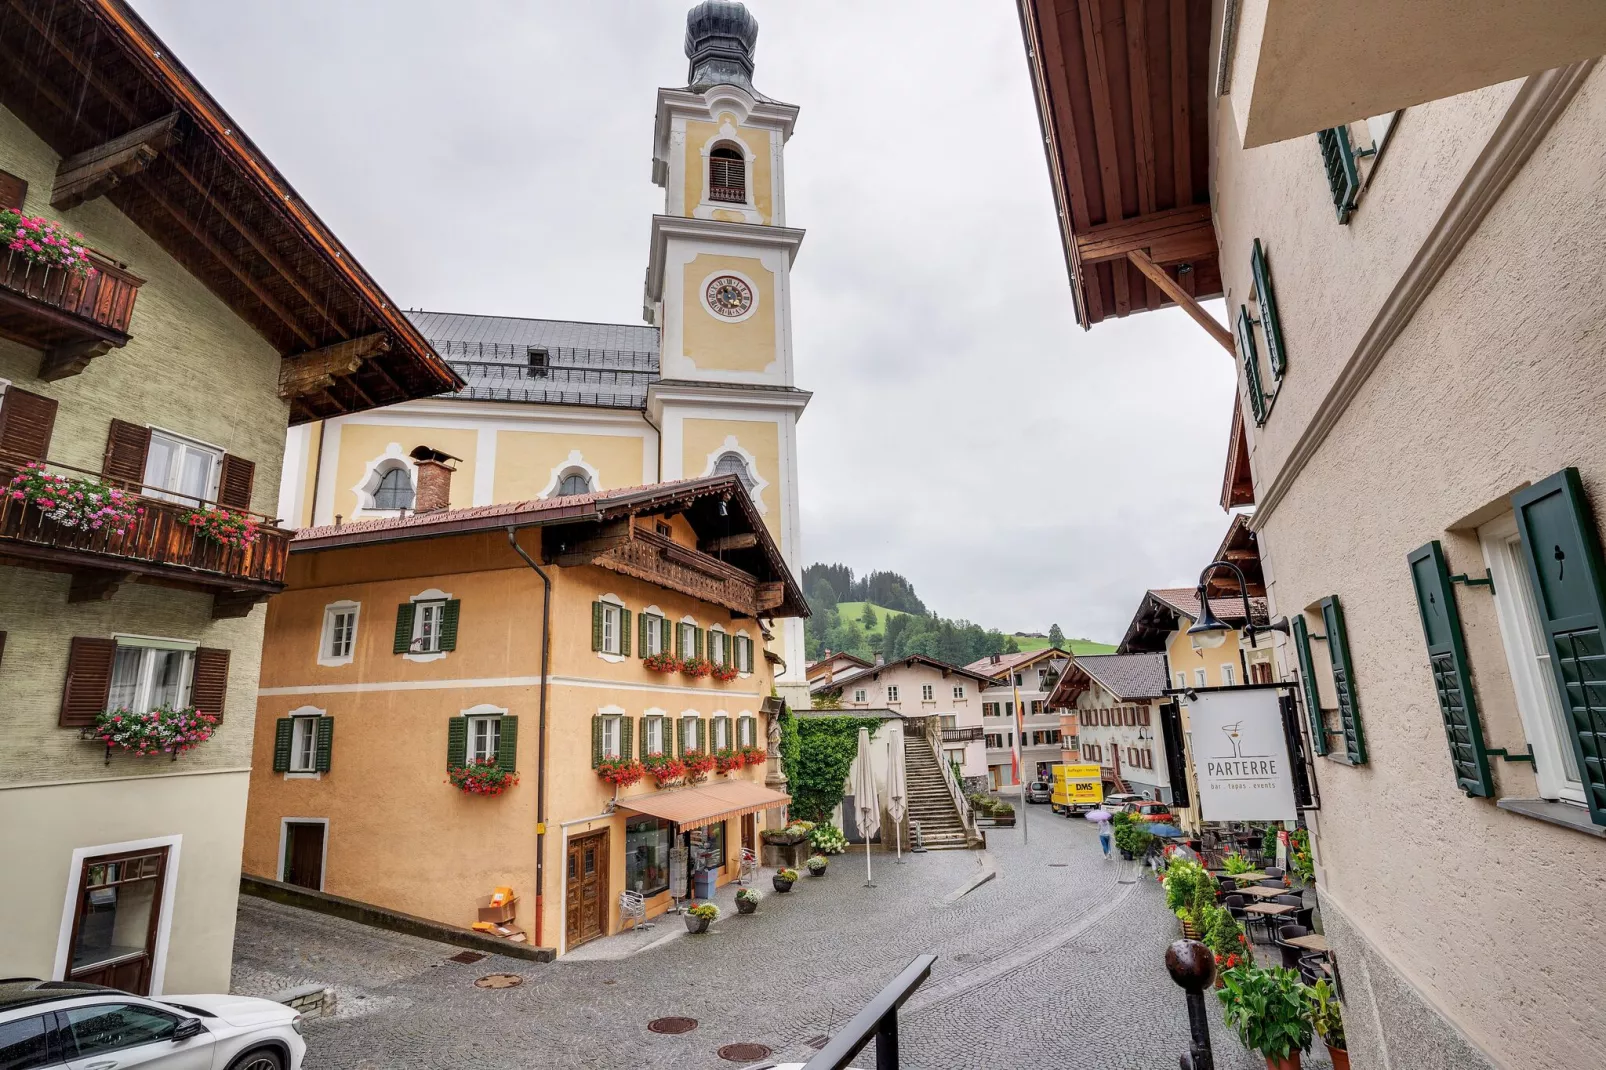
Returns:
(729, 296)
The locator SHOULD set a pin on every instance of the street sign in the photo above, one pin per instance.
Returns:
(1240, 755)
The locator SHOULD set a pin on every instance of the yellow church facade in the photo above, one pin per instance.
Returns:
(704, 386)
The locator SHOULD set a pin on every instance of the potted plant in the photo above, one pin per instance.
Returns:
(696, 668)
(699, 917)
(784, 879)
(1327, 1018)
(1299, 858)
(753, 757)
(785, 837)
(664, 770)
(1133, 839)
(746, 901)
(483, 777)
(816, 865)
(1269, 1010)
(1236, 864)
(1226, 940)
(159, 731)
(827, 839)
(621, 772)
(1003, 814)
(698, 765)
(665, 663)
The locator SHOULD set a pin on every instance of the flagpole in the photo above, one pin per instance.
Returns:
(1020, 779)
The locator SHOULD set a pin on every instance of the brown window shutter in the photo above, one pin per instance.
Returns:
(89, 681)
(234, 485)
(126, 447)
(26, 421)
(209, 682)
(13, 190)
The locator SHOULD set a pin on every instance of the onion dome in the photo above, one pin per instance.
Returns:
(720, 38)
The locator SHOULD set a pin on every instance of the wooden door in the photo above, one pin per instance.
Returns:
(587, 892)
(750, 833)
(303, 854)
(116, 919)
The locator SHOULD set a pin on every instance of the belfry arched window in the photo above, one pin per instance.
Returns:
(727, 175)
(395, 490)
(732, 463)
(575, 481)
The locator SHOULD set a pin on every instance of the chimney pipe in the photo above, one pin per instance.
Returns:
(879, 658)
(434, 480)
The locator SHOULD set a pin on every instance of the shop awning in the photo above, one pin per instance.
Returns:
(704, 804)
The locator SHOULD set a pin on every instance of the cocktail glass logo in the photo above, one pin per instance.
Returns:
(1238, 765)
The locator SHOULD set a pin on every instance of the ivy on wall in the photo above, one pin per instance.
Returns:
(825, 752)
(789, 744)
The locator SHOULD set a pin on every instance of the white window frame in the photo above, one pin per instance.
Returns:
(688, 642)
(1229, 676)
(303, 745)
(1182, 680)
(724, 638)
(928, 693)
(147, 668)
(892, 693)
(859, 695)
(721, 732)
(741, 654)
(423, 612)
(1528, 657)
(612, 734)
(612, 623)
(746, 730)
(959, 692)
(655, 630)
(330, 613)
(650, 720)
(691, 737)
(183, 445)
(1201, 678)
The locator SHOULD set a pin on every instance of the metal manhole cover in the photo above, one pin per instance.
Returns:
(743, 1053)
(465, 957)
(966, 956)
(672, 1025)
(499, 980)
(818, 1042)
(1058, 865)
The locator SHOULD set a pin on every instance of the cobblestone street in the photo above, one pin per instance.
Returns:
(1053, 962)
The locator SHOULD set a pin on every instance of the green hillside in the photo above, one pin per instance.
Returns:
(853, 610)
(1078, 646)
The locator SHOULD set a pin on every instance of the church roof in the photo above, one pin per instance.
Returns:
(607, 365)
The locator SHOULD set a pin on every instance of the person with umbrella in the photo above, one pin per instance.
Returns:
(1101, 818)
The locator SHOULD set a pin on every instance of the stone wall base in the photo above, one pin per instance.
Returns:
(313, 1001)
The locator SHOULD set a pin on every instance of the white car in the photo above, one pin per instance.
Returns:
(75, 1026)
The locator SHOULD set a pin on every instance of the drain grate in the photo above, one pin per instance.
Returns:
(465, 957)
(499, 980)
(1058, 865)
(743, 1053)
(818, 1042)
(672, 1026)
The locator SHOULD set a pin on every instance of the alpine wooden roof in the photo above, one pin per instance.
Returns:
(1237, 480)
(1122, 92)
(83, 73)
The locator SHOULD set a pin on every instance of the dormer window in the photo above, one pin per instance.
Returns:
(538, 361)
(574, 481)
(727, 175)
(395, 490)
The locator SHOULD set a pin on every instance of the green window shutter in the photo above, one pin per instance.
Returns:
(1307, 682)
(624, 632)
(456, 742)
(404, 627)
(1270, 321)
(1251, 362)
(680, 736)
(325, 744)
(702, 734)
(680, 644)
(665, 627)
(507, 745)
(596, 741)
(642, 624)
(1561, 547)
(1338, 160)
(627, 730)
(449, 624)
(1349, 707)
(283, 730)
(596, 625)
(699, 642)
(1452, 678)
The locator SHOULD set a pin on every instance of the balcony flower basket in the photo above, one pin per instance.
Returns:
(753, 757)
(664, 663)
(79, 504)
(723, 673)
(481, 778)
(621, 772)
(696, 668)
(162, 730)
(45, 242)
(728, 761)
(222, 526)
(665, 771)
(698, 765)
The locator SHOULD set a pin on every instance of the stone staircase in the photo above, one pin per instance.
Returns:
(929, 802)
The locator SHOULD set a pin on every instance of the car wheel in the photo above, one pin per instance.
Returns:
(260, 1059)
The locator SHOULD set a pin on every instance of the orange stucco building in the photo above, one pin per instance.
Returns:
(405, 647)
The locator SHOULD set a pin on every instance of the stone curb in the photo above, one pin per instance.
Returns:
(988, 870)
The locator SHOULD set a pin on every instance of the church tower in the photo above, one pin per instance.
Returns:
(718, 288)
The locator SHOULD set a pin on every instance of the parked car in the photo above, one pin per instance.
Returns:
(1038, 791)
(1150, 811)
(1119, 801)
(71, 1023)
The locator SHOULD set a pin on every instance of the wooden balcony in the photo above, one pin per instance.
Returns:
(159, 548)
(656, 558)
(962, 735)
(72, 318)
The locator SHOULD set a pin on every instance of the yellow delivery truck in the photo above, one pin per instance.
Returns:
(1077, 789)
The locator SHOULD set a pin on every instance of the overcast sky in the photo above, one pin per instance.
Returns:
(495, 157)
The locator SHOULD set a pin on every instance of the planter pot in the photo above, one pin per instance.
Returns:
(1340, 1057)
(781, 885)
(694, 924)
(817, 872)
(1007, 821)
(744, 906)
(1290, 1063)
(1126, 854)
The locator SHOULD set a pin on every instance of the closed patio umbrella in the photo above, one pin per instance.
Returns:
(865, 800)
(895, 793)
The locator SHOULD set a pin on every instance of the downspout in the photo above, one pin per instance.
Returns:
(540, 750)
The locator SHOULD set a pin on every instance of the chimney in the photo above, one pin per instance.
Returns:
(879, 658)
(434, 480)
(995, 658)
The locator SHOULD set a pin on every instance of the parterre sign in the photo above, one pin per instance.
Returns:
(1240, 756)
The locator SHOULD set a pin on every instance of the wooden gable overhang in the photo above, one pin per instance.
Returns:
(92, 80)
(1123, 96)
(1237, 483)
(1241, 546)
(1151, 626)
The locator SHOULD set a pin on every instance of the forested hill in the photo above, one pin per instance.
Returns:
(881, 612)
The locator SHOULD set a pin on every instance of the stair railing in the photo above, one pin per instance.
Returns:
(933, 734)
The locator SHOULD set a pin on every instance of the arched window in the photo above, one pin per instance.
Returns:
(395, 490)
(732, 463)
(727, 175)
(574, 481)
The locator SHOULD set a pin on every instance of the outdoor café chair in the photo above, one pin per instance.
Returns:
(633, 908)
(749, 867)
(1291, 953)
(1310, 967)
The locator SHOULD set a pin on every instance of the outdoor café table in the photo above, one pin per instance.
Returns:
(1311, 942)
(1252, 875)
(1260, 892)
(1271, 910)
